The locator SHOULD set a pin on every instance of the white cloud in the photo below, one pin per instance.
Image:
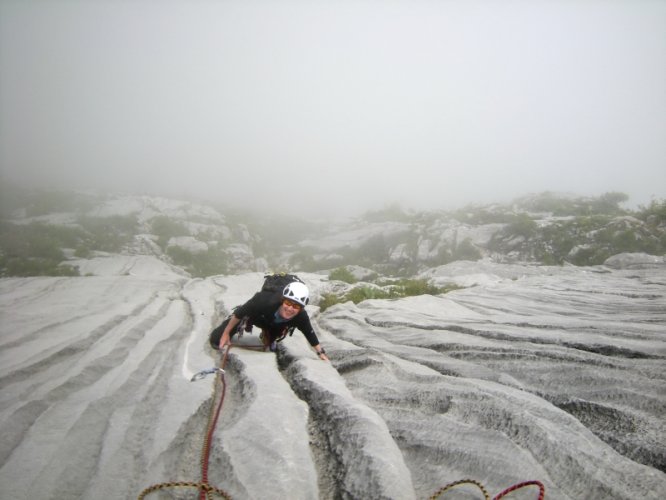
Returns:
(347, 104)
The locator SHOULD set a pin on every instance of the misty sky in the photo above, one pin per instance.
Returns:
(342, 105)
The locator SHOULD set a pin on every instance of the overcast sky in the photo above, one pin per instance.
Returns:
(336, 106)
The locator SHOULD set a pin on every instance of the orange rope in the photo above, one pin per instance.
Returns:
(458, 483)
(212, 423)
(208, 489)
(542, 489)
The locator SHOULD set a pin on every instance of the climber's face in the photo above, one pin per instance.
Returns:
(289, 309)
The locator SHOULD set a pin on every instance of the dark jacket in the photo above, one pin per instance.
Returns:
(261, 310)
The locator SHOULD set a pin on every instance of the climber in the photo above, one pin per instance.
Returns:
(275, 314)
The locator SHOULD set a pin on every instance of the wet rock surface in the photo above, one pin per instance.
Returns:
(556, 375)
(530, 373)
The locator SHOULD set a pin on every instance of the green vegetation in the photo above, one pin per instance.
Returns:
(466, 251)
(523, 226)
(398, 243)
(36, 249)
(342, 274)
(373, 250)
(107, 234)
(654, 213)
(580, 240)
(199, 265)
(586, 232)
(385, 290)
(166, 228)
(607, 204)
(35, 267)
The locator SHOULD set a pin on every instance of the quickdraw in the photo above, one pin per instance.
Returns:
(205, 373)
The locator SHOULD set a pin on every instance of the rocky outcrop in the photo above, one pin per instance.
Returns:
(188, 243)
(635, 261)
(206, 241)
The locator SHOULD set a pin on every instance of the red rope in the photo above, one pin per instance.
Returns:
(205, 490)
(542, 489)
(212, 422)
(205, 452)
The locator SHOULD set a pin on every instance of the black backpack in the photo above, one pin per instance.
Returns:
(273, 283)
(277, 281)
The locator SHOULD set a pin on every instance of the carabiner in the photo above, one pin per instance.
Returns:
(204, 373)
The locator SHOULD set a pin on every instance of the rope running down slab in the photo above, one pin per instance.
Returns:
(206, 491)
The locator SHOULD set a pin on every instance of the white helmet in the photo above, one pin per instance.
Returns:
(297, 292)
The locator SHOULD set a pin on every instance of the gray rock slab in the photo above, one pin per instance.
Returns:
(532, 373)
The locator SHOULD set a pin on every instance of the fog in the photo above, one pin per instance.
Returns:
(335, 107)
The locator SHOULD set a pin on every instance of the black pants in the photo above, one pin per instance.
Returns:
(245, 324)
(216, 334)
